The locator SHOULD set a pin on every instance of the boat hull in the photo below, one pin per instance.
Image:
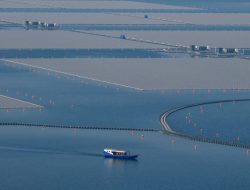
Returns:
(125, 157)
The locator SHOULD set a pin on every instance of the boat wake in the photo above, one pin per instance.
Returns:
(47, 151)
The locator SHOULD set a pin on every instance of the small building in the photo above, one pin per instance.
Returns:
(222, 50)
(40, 25)
(228, 51)
(200, 48)
(232, 50)
(35, 23)
(204, 48)
(52, 26)
(43, 25)
(27, 23)
(123, 36)
(194, 47)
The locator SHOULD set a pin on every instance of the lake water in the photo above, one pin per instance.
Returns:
(86, 53)
(62, 159)
(147, 27)
(45, 158)
(224, 121)
(53, 158)
(115, 107)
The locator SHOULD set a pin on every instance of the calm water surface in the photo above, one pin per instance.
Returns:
(161, 164)
(46, 158)
(43, 158)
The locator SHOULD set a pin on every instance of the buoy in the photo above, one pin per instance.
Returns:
(195, 147)
(142, 137)
(173, 141)
(247, 152)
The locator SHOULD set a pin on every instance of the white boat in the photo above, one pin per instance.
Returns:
(120, 154)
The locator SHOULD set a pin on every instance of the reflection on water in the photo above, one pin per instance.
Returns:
(111, 163)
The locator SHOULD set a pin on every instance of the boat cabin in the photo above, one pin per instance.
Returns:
(116, 152)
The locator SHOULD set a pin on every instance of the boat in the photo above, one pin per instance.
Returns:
(118, 154)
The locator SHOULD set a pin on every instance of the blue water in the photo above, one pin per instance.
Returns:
(93, 103)
(161, 164)
(135, 27)
(118, 107)
(233, 8)
(181, 27)
(211, 6)
(11, 26)
(227, 121)
(81, 10)
(46, 158)
(86, 53)
(101, 53)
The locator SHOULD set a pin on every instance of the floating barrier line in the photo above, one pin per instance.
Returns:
(127, 38)
(150, 18)
(169, 131)
(71, 74)
(29, 103)
(76, 127)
